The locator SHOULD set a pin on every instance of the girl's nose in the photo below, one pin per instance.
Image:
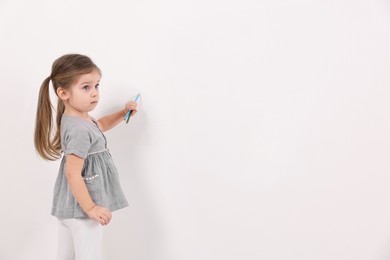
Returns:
(94, 93)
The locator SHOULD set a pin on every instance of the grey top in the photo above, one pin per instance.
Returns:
(86, 140)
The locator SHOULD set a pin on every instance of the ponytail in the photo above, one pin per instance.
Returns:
(48, 149)
(57, 137)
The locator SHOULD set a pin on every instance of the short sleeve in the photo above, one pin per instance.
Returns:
(77, 141)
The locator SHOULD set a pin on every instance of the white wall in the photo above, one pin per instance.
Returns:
(263, 131)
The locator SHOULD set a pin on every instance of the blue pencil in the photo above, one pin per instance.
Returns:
(128, 114)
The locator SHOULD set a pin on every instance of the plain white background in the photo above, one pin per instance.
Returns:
(263, 130)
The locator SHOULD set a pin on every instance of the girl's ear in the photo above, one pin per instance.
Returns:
(62, 94)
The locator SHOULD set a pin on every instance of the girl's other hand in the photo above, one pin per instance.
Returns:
(100, 214)
(132, 105)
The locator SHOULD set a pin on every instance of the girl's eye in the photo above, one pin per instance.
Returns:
(97, 86)
(86, 87)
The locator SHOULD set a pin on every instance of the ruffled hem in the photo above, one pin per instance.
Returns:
(79, 213)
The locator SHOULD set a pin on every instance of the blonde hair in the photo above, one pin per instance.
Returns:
(64, 72)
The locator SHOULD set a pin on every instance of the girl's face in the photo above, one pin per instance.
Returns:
(83, 95)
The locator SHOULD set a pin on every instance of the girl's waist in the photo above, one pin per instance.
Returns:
(98, 151)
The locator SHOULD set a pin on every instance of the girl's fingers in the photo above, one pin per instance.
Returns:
(131, 105)
(135, 110)
(106, 217)
(103, 220)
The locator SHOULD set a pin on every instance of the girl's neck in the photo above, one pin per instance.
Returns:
(71, 112)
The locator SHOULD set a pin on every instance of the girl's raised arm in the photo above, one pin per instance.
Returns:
(108, 122)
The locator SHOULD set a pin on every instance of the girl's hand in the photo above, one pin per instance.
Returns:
(132, 105)
(100, 214)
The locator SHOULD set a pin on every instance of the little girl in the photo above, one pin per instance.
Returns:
(87, 188)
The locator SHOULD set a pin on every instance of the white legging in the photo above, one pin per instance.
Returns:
(79, 239)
